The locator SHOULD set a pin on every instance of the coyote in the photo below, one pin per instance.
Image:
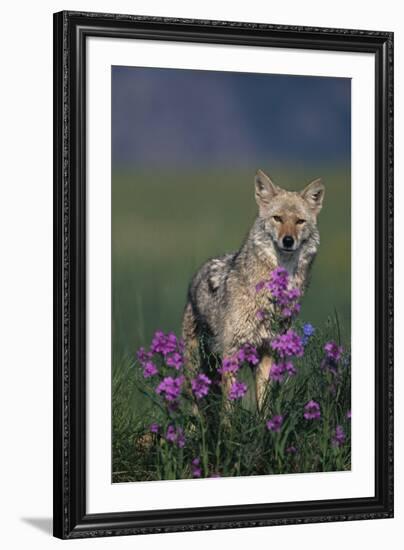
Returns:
(222, 305)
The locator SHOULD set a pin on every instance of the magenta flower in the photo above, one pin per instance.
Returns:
(171, 434)
(339, 437)
(200, 385)
(195, 467)
(333, 351)
(312, 410)
(164, 343)
(154, 428)
(170, 387)
(149, 369)
(143, 356)
(278, 280)
(291, 450)
(277, 372)
(290, 368)
(293, 294)
(249, 354)
(349, 414)
(176, 436)
(175, 360)
(229, 364)
(284, 296)
(288, 344)
(237, 390)
(275, 424)
(290, 310)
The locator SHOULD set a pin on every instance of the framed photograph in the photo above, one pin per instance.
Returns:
(223, 274)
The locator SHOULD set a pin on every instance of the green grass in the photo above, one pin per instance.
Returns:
(233, 440)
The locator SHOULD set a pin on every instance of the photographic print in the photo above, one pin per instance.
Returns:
(223, 274)
(231, 274)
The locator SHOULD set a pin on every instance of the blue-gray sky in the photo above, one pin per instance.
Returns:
(186, 118)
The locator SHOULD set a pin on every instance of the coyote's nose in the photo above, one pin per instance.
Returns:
(288, 241)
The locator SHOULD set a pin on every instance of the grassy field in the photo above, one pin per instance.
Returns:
(164, 225)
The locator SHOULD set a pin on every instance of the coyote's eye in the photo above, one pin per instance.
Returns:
(299, 222)
(277, 219)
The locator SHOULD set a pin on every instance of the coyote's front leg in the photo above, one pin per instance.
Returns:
(228, 373)
(262, 379)
(191, 342)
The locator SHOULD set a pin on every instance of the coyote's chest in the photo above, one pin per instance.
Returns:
(247, 318)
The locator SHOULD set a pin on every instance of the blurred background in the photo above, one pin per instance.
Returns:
(185, 148)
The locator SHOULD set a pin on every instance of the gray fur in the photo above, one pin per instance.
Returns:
(222, 301)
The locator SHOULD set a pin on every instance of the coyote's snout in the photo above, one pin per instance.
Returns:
(222, 308)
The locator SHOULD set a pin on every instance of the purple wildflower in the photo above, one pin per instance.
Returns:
(278, 280)
(143, 356)
(293, 294)
(229, 364)
(175, 360)
(175, 435)
(154, 428)
(237, 390)
(249, 354)
(312, 410)
(195, 467)
(288, 344)
(282, 294)
(339, 437)
(171, 434)
(333, 351)
(349, 414)
(308, 329)
(275, 424)
(290, 310)
(290, 368)
(149, 369)
(158, 342)
(291, 450)
(200, 385)
(277, 371)
(171, 387)
(164, 343)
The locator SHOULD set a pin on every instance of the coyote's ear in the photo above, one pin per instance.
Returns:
(314, 194)
(265, 190)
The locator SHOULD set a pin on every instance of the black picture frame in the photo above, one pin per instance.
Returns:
(71, 30)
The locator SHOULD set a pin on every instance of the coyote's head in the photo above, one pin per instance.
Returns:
(289, 218)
